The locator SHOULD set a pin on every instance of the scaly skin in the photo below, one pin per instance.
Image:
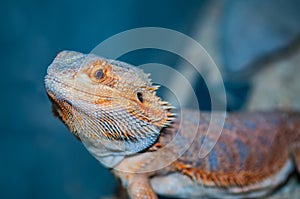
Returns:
(113, 109)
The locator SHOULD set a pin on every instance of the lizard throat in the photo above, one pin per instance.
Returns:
(95, 128)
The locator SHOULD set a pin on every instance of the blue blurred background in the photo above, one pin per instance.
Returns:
(39, 157)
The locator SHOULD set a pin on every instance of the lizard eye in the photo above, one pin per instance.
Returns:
(140, 97)
(99, 74)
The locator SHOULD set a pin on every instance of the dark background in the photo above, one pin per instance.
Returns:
(39, 157)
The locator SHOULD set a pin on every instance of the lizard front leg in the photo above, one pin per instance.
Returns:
(296, 156)
(139, 187)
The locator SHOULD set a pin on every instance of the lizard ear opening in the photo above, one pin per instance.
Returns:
(140, 97)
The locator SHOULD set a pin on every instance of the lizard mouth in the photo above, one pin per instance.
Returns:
(61, 99)
(52, 84)
(61, 90)
(57, 99)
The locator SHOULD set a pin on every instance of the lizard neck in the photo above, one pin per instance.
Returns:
(110, 157)
(105, 156)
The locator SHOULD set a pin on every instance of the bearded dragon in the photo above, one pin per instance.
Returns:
(112, 107)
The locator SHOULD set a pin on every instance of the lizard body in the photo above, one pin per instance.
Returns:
(113, 109)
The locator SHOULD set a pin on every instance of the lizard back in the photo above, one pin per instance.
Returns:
(251, 148)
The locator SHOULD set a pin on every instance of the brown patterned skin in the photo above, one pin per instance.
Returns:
(252, 147)
(113, 109)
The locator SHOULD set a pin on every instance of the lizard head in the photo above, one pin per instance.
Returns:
(106, 103)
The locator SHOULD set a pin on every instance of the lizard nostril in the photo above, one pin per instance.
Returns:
(140, 97)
